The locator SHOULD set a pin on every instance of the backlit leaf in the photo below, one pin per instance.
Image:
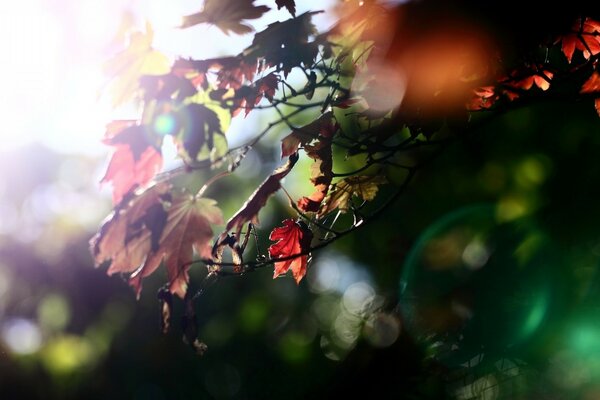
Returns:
(153, 227)
(293, 238)
(134, 161)
(362, 186)
(258, 199)
(128, 66)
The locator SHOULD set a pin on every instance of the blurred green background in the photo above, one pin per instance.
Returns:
(480, 282)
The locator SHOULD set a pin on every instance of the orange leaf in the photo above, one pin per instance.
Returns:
(592, 84)
(293, 238)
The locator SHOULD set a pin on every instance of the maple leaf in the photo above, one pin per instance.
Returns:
(293, 238)
(584, 37)
(592, 84)
(248, 97)
(135, 160)
(166, 87)
(483, 98)
(541, 79)
(199, 128)
(226, 15)
(128, 66)
(249, 210)
(306, 134)
(153, 227)
(231, 71)
(321, 172)
(289, 4)
(363, 186)
(285, 45)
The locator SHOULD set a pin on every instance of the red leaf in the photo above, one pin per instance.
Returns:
(258, 199)
(289, 4)
(321, 172)
(584, 37)
(306, 134)
(592, 84)
(483, 98)
(153, 227)
(597, 105)
(292, 239)
(134, 162)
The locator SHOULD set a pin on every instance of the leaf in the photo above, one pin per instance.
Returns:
(289, 4)
(483, 98)
(231, 72)
(293, 238)
(285, 45)
(592, 85)
(363, 186)
(165, 299)
(227, 15)
(321, 172)
(200, 126)
(583, 37)
(306, 134)
(157, 226)
(249, 211)
(135, 160)
(248, 97)
(597, 105)
(128, 66)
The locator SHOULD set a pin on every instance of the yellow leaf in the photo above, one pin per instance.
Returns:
(363, 186)
(126, 68)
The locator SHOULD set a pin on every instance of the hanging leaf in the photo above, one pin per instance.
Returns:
(286, 45)
(592, 85)
(583, 37)
(258, 199)
(157, 226)
(134, 161)
(306, 134)
(200, 126)
(321, 172)
(227, 15)
(293, 238)
(127, 67)
(289, 4)
(362, 186)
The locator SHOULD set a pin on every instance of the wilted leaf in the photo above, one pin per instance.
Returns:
(306, 134)
(289, 4)
(226, 15)
(165, 299)
(157, 226)
(258, 199)
(127, 67)
(293, 238)
(363, 186)
(135, 159)
(321, 172)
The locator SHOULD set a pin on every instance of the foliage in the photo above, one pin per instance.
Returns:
(369, 102)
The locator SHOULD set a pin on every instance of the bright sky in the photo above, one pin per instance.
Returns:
(52, 56)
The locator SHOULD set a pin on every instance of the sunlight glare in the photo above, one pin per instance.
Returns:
(29, 42)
